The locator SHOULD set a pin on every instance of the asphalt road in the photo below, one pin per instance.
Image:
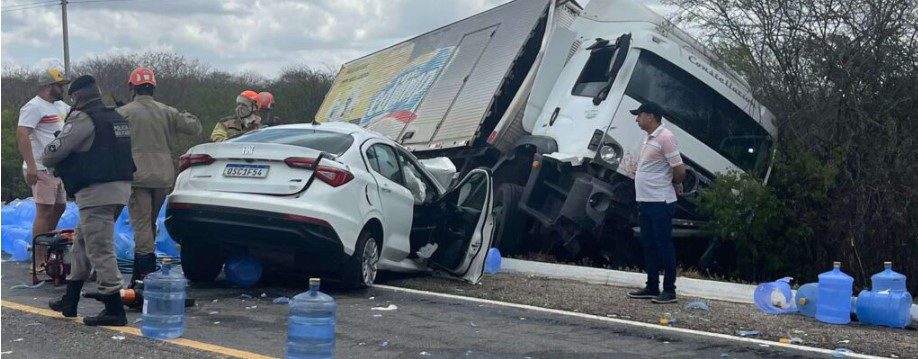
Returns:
(231, 318)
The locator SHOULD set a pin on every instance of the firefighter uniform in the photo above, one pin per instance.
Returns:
(153, 130)
(232, 126)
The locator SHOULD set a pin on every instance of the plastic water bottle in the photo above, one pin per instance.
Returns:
(888, 280)
(806, 299)
(243, 271)
(492, 262)
(766, 296)
(886, 308)
(835, 288)
(311, 325)
(164, 303)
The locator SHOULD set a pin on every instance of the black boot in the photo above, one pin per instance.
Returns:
(112, 315)
(67, 305)
(143, 265)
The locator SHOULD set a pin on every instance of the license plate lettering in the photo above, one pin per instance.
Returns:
(250, 171)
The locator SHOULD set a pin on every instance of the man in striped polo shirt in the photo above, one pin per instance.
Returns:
(657, 182)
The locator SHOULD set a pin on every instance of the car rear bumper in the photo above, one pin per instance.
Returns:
(221, 227)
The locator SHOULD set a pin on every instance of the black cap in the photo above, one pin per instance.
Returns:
(648, 107)
(81, 83)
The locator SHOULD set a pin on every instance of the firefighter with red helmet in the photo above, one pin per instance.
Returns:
(154, 128)
(246, 118)
(266, 107)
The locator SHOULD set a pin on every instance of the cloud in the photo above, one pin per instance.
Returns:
(260, 36)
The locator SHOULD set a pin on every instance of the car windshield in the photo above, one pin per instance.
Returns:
(326, 141)
(702, 112)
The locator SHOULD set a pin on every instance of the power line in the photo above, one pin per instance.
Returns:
(33, 5)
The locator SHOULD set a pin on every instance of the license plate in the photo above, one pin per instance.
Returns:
(249, 171)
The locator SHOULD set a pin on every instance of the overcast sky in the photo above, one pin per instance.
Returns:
(231, 35)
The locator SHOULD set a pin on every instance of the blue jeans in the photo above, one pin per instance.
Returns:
(657, 240)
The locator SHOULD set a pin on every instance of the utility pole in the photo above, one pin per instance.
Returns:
(66, 40)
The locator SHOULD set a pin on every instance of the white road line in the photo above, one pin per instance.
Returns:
(625, 322)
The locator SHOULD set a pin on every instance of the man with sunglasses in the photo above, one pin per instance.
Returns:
(39, 120)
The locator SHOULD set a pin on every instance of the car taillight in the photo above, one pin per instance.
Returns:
(332, 176)
(189, 160)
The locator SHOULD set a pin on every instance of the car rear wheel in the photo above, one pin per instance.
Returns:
(360, 270)
(200, 263)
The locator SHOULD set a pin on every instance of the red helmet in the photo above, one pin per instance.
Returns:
(265, 100)
(142, 75)
(248, 97)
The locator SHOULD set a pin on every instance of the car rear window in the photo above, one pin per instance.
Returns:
(326, 141)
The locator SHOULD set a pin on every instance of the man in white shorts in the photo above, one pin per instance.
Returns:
(40, 120)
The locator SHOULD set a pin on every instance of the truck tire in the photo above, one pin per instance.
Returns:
(200, 263)
(510, 221)
(360, 270)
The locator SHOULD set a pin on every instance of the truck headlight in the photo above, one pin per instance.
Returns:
(610, 153)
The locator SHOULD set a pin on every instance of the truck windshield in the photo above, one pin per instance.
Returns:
(702, 112)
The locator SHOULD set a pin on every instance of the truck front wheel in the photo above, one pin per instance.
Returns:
(510, 221)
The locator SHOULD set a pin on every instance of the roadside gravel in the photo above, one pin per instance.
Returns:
(722, 317)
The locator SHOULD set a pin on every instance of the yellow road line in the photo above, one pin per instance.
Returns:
(134, 331)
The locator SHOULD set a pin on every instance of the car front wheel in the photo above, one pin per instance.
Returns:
(360, 270)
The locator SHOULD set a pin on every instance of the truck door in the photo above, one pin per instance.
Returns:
(579, 104)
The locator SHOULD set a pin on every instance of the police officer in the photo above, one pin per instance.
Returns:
(153, 129)
(92, 155)
(245, 120)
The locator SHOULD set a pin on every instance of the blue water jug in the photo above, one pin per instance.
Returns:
(492, 262)
(806, 298)
(835, 288)
(164, 303)
(243, 271)
(888, 280)
(311, 325)
(765, 296)
(886, 308)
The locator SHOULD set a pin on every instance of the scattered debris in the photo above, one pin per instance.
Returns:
(390, 307)
(245, 296)
(521, 318)
(31, 324)
(264, 295)
(473, 325)
(724, 355)
(846, 341)
(841, 352)
(213, 313)
(281, 300)
(216, 323)
(361, 343)
(468, 352)
(138, 320)
(697, 305)
(747, 333)
(459, 290)
(118, 337)
(214, 301)
(764, 345)
(668, 319)
(26, 286)
(17, 340)
(252, 307)
(8, 351)
(424, 354)
(384, 344)
(371, 298)
(377, 315)
(791, 340)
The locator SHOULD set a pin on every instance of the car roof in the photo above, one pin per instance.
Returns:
(340, 127)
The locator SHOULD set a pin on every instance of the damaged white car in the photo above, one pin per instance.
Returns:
(328, 199)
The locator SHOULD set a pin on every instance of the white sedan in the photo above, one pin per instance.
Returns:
(329, 199)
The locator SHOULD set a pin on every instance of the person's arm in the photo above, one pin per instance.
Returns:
(674, 158)
(25, 149)
(72, 137)
(678, 177)
(219, 133)
(187, 123)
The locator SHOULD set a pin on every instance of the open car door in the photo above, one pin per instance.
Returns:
(465, 227)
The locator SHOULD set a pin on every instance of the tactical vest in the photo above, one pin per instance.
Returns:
(109, 158)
